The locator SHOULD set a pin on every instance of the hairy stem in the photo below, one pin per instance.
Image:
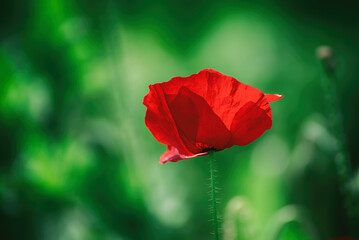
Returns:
(213, 194)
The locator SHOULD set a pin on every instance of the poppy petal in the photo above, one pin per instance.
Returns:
(197, 123)
(224, 94)
(251, 121)
(273, 97)
(159, 120)
(172, 155)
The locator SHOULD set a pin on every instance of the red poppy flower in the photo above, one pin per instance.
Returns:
(205, 111)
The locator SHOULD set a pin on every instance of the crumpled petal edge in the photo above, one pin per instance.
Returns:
(172, 155)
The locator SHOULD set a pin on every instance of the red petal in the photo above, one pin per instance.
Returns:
(198, 126)
(159, 119)
(172, 155)
(251, 121)
(224, 94)
(273, 97)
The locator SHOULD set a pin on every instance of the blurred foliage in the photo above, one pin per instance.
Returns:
(77, 161)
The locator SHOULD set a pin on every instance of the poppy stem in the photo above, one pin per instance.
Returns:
(213, 193)
(329, 83)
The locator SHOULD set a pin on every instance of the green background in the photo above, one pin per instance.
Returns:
(77, 161)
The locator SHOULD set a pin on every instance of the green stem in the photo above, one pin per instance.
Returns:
(329, 83)
(213, 192)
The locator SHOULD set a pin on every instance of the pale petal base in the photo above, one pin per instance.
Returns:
(172, 155)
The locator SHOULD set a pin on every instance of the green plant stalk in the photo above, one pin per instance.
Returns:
(329, 83)
(213, 194)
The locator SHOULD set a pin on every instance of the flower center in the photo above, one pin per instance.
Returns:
(206, 148)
